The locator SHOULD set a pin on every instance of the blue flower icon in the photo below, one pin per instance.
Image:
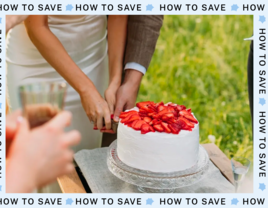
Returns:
(262, 19)
(149, 201)
(69, 7)
(149, 7)
(69, 201)
(262, 186)
(234, 7)
(262, 101)
(234, 201)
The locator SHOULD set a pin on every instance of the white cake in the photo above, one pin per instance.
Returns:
(158, 151)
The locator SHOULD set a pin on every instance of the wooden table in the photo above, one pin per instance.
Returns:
(72, 183)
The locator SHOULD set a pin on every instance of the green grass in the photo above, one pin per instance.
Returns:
(201, 62)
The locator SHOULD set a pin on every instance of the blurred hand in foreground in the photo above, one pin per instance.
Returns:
(33, 113)
(38, 156)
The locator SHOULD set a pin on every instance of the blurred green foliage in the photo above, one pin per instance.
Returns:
(201, 62)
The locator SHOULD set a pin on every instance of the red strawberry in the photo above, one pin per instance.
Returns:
(129, 124)
(175, 120)
(143, 115)
(160, 108)
(152, 107)
(147, 119)
(192, 119)
(187, 128)
(166, 128)
(160, 103)
(152, 129)
(143, 111)
(138, 125)
(161, 113)
(185, 124)
(180, 107)
(112, 116)
(125, 114)
(170, 118)
(188, 123)
(124, 120)
(181, 122)
(149, 110)
(158, 127)
(183, 113)
(172, 110)
(155, 121)
(170, 121)
(187, 115)
(145, 106)
(167, 116)
(133, 118)
(172, 104)
(145, 128)
(152, 114)
(142, 104)
(174, 128)
(134, 123)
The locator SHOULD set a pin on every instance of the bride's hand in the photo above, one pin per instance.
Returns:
(96, 108)
(110, 97)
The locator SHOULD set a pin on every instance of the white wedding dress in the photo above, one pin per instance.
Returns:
(84, 38)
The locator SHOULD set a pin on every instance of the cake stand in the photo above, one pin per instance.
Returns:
(152, 182)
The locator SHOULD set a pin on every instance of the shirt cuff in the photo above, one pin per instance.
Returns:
(135, 66)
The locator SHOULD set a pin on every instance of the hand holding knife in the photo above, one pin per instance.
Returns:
(114, 124)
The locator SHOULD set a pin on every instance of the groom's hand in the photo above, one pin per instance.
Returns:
(127, 93)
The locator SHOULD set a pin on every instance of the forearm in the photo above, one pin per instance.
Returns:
(117, 31)
(143, 32)
(133, 78)
(53, 51)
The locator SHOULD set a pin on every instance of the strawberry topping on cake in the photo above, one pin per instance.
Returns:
(159, 117)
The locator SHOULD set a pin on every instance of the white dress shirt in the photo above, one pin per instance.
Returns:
(135, 66)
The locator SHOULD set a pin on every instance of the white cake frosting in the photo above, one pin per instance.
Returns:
(158, 151)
